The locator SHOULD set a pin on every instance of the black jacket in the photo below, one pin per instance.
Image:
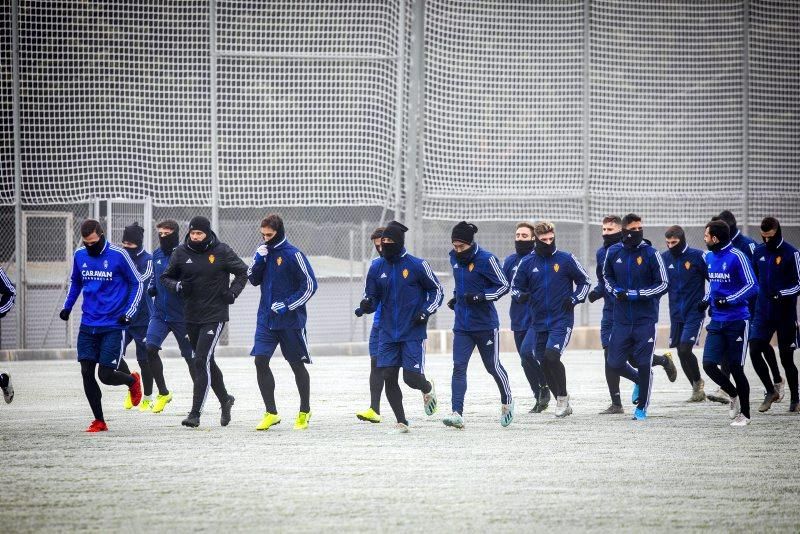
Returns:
(205, 278)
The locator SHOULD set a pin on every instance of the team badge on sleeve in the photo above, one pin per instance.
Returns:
(405, 273)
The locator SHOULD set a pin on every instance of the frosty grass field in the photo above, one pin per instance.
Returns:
(684, 468)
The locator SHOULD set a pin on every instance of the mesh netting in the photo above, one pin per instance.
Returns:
(774, 163)
(666, 108)
(115, 99)
(503, 109)
(6, 109)
(299, 129)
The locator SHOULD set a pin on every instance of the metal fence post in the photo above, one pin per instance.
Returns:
(15, 99)
(212, 63)
(399, 124)
(746, 116)
(414, 166)
(586, 238)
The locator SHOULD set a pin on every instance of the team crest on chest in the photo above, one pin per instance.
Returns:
(211, 258)
(471, 266)
(279, 260)
(688, 265)
(639, 260)
(556, 267)
(405, 273)
(777, 260)
(105, 264)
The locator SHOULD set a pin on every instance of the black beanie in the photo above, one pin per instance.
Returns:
(133, 234)
(464, 232)
(396, 232)
(200, 223)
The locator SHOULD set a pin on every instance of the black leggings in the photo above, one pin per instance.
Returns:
(266, 383)
(689, 362)
(393, 393)
(375, 385)
(91, 388)
(742, 387)
(204, 338)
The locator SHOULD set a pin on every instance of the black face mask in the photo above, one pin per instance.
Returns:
(545, 250)
(464, 256)
(632, 238)
(277, 238)
(133, 252)
(378, 250)
(717, 246)
(677, 250)
(168, 242)
(199, 246)
(612, 239)
(391, 251)
(97, 248)
(524, 248)
(774, 241)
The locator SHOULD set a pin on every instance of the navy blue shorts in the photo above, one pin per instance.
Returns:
(686, 333)
(763, 330)
(374, 336)
(158, 330)
(726, 341)
(636, 342)
(104, 346)
(293, 343)
(410, 355)
(137, 334)
(536, 343)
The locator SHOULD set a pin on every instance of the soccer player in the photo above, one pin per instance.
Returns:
(521, 317)
(612, 234)
(748, 246)
(553, 282)
(635, 274)
(686, 270)
(287, 283)
(167, 316)
(112, 291)
(373, 413)
(731, 286)
(408, 293)
(132, 240)
(479, 281)
(199, 271)
(777, 268)
(8, 295)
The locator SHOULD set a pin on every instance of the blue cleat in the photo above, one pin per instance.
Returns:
(635, 394)
(639, 414)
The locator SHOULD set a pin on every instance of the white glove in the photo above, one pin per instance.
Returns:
(262, 251)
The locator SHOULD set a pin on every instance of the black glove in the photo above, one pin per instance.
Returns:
(367, 306)
(702, 306)
(359, 312)
(152, 291)
(523, 298)
(124, 320)
(722, 302)
(421, 318)
(568, 305)
(474, 298)
(228, 297)
(452, 303)
(777, 297)
(64, 314)
(621, 294)
(595, 295)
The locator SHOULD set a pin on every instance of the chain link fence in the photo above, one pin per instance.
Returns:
(343, 115)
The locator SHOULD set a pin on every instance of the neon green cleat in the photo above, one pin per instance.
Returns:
(146, 405)
(161, 402)
(369, 415)
(128, 402)
(301, 423)
(270, 419)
